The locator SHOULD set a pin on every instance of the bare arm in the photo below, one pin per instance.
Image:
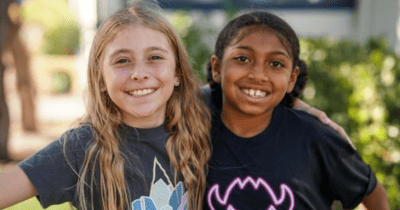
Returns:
(301, 105)
(15, 187)
(377, 200)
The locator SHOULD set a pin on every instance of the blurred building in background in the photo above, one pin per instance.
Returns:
(356, 20)
(350, 19)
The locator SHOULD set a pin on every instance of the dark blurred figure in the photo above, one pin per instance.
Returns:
(10, 24)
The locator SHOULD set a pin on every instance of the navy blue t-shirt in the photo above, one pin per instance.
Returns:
(296, 163)
(53, 170)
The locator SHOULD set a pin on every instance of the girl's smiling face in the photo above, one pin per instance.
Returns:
(255, 73)
(139, 75)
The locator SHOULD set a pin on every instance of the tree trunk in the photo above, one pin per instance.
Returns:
(4, 117)
(10, 23)
(25, 84)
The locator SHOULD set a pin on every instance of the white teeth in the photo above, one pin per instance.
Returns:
(251, 92)
(258, 93)
(255, 93)
(141, 92)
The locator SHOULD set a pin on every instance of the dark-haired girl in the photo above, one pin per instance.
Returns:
(265, 155)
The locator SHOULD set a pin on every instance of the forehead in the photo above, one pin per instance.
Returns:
(138, 36)
(268, 32)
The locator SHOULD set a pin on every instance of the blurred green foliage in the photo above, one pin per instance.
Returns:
(194, 37)
(61, 82)
(198, 51)
(58, 23)
(357, 86)
(63, 39)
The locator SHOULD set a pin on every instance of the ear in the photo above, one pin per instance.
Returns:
(292, 80)
(103, 87)
(215, 68)
(177, 81)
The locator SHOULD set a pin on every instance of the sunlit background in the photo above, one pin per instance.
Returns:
(352, 49)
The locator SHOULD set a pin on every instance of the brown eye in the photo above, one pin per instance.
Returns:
(276, 64)
(242, 58)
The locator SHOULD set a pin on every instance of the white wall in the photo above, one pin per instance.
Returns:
(371, 18)
(377, 18)
(319, 23)
(106, 8)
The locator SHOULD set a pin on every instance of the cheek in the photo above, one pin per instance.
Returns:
(112, 76)
(108, 79)
(231, 75)
(167, 72)
(226, 74)
(283, 82)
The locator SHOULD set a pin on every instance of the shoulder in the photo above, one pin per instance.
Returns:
(307, 121)
(299, 118)
(83, 133)
(315, 130)
(73, 141)
(70, 148)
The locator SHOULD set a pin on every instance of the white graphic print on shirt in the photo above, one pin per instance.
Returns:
(162, 196)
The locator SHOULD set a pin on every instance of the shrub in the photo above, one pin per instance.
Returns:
(62, 40)
(358, 87)
(61, 82)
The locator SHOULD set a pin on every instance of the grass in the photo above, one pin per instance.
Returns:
(33, 204)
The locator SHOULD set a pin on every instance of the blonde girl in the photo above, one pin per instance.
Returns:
(144, 141)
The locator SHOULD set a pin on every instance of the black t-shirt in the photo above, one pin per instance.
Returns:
(149, 176)
(296, 163)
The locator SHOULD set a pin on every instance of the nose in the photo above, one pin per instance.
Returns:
(258, 72)
(139, 73)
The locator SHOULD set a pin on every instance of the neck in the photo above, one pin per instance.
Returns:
(244, 125)
(143, 122)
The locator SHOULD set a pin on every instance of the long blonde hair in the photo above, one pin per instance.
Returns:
(187, 118)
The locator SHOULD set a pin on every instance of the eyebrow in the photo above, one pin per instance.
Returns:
(124, 50)
(158, 48)
(119, 51)
(278, 52)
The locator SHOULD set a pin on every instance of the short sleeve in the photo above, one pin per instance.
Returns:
(53, 170)
(350, 178)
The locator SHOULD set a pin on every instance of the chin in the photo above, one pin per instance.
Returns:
(254, 112)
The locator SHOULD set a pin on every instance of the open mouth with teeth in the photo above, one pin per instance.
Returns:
(142, 92)
(254, 93)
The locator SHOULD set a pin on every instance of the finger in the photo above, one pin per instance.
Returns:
(320, 115)
(300, 104)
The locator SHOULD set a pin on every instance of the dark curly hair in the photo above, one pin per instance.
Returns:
(235, 30)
